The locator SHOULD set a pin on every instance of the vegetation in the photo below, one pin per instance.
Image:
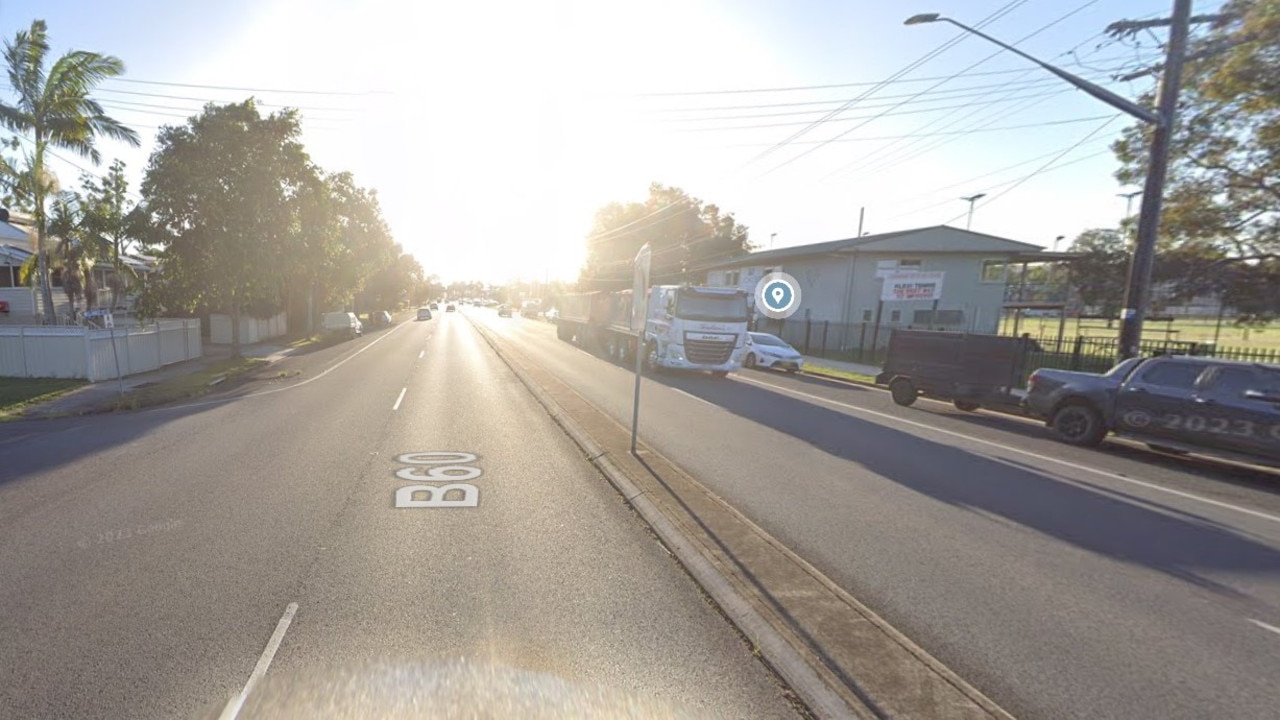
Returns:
(681, 231)
(186, 387)
(18, 393)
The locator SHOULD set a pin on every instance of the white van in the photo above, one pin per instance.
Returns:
(342, 323)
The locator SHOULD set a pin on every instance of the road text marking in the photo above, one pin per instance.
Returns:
(264, 662)
(445, 467)
(1027, 453)
(400, 399)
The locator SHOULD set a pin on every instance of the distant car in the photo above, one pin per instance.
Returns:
(424, 313)
(344, 324)
(450, 308)
(382, 318)
(770, 351)
(434, 306)
(504, 311)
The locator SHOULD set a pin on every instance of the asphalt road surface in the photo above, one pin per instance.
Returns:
(1062, 582)
(154, 565)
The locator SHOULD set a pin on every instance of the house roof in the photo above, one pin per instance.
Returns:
(10, 233)
(11, 254)
(936, 239)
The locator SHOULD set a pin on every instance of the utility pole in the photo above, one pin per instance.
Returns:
(971, 200)
(1138, 291)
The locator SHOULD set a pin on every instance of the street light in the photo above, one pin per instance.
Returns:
(1128, 205)
(971, 200)
(771, 237)
(1138, 288)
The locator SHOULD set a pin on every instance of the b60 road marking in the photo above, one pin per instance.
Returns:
(441, 467)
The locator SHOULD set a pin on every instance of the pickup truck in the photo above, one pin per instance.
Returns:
(1175, 404)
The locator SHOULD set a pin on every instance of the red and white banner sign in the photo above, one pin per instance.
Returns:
(912, 286)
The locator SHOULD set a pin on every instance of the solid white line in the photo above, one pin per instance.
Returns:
(695, 397)
(421, 353)
(400, 399)
(1027, 453)
(233, 708)
(1265, 626)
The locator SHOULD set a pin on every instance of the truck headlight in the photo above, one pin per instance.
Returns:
(674, 353)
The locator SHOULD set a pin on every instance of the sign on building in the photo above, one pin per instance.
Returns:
(912, 286)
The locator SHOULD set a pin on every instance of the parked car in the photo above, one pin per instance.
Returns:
(343, 324)
(450, 308)
(424, 313)
(434, 306)
(504, 311)
(1175, 404)
(381, 318)
(770, 351)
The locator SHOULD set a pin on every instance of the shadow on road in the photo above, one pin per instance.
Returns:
(1111, 523)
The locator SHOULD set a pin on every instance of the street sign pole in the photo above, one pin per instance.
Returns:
(639, 316)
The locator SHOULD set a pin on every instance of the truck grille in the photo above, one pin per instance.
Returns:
(708, 352)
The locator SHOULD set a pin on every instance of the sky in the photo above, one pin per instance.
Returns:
(493, 130)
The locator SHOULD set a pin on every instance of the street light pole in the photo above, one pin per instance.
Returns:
(1162, 119)
(1128, 202)
(971, 200)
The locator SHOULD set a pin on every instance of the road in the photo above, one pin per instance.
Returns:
(1062, 582)
(157, 564)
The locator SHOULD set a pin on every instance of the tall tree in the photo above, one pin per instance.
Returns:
(1224, 175)
(219, 192)
(1098, 276)
(54, 109)
(681, 231)
(106, 209)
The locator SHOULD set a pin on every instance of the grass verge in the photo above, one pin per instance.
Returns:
(186, 387)
(18, 393)
(842, 374)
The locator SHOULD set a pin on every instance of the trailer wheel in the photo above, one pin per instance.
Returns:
(1078, 423)
(966, 405)
(903, 391)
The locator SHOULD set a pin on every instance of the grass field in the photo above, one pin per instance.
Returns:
(1184, 330)
(17, 393)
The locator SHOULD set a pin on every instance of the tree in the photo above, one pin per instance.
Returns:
(682, 233)
(54, 108)
(106, 209)
(219, 193)
(1223, 185)
(1099, 275)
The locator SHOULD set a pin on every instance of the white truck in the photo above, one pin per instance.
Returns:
(686, 327)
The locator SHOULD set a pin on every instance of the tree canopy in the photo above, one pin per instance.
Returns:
(681, 230)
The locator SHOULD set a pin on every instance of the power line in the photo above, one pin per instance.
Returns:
(1044, 167)
(942, 82)
(1046, 123)
(360, 93)
(959, 38)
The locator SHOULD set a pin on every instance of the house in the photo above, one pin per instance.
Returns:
(21, 304)
(841, 280)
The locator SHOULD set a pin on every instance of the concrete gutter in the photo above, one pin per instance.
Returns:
(839, 657)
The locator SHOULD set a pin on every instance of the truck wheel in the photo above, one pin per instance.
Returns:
(1079, 424)
(903, 391)
(651, 358)
(966, 405)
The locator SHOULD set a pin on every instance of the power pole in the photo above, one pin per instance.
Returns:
(971, 200)
(1138, 291)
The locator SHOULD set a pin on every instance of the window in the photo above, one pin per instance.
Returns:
(941, 317)
(993, 271)
(866, 316)
(895, 316)
(909, 264)
(8, 275)
(731, 278)
(1173, 374)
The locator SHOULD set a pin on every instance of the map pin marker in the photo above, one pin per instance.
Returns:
(778, 294)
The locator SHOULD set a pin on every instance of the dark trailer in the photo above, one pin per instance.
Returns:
(971, 370)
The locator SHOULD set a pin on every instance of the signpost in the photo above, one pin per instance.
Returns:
(903, 286)
(109, 322)
(639, 314)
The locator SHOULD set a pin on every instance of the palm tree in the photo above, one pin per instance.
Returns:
(55, 109)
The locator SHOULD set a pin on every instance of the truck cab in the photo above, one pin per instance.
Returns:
(696, 328)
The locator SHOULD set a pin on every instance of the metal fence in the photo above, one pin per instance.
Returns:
(93, 354)
(848, 342)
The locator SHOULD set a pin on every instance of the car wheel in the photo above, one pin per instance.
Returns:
(750, 361)
(966, 405)
(1079, 424)
(903, 391)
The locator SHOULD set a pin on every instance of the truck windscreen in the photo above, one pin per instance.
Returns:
(711, 308)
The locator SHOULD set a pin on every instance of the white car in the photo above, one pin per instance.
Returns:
(770, 351)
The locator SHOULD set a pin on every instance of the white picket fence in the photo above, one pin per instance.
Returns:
(86, 353)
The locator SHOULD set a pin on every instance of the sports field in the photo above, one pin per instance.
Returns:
(1197, 330)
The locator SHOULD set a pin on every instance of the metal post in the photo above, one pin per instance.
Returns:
(1139, 287)
(825, 325)
(22, 342)
(862, 213)
(875, 333)
(115, 354)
